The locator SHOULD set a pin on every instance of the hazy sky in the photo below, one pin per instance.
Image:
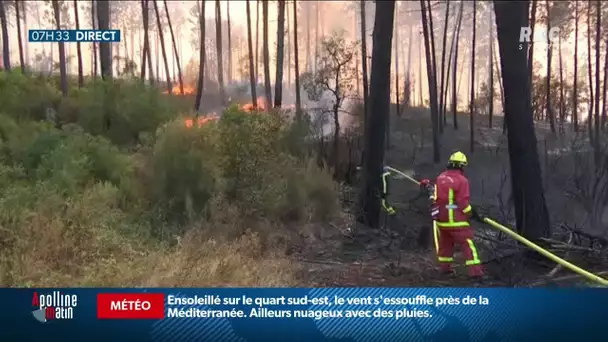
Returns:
(335, 15)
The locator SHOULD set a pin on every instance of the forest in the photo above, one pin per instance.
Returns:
(242, 143)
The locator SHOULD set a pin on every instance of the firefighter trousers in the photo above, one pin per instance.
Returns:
(448, 238)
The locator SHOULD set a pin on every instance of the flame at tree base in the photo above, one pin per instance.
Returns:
(201, 121)
(188, 90)
(260, 103)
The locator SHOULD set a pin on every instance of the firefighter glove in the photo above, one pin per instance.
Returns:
(425, 185)
(475, 215)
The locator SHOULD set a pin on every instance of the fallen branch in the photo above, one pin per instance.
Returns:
(564, 278)
(558, 267)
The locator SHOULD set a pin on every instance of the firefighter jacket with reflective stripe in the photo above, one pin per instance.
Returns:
(385, 186)
(452, 199)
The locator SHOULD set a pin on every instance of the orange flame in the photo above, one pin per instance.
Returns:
(250, 107)
(188, 90)
(201, 121)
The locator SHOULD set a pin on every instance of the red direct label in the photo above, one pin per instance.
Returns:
(130, 306)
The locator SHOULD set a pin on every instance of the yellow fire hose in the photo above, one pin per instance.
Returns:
(436, 236)
(511, 233)
(546, 253)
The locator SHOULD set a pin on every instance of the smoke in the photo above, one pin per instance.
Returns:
(320, 112)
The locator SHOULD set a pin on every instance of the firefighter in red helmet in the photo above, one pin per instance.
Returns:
(452, 212)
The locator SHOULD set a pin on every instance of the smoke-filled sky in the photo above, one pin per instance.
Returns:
(333, 15)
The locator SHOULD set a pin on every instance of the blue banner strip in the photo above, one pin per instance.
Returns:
(299, 314)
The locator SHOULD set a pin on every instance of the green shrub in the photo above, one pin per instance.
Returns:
(185, 171)
(27, 97)
(121, 110)
(79, 205)
(250, 150)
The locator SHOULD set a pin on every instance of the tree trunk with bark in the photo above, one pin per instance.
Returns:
(288, 38)
(296, 61)
(229, 42)
(447, 76)
(431, 80)
(491, 68)
(267, 85)
(531, 213)
(105, 50)
(94, 45)
(6, 59)
(433, 56)
(307, 10)
(364, 59)
(19, 38)
(455, 75)
(357, 73)
(598, 31)
(25, 29)
(472, 99)
(562, 109)
(78, 48)
(590, 73)
(278, 83)
(443, 76)
(531, 43)
(550, 114)
(254, 95)
(257, 41)
(408, 76)
(369, 197)
(200, 86)
(162, 46)
(62, 66)
(397, 102)
(604, 89)
(575, 84)
(219, 50)
(173, 43)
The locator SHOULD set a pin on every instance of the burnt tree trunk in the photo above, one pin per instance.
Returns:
(562, 109)
(491, 71)
(278, 83)
(296, 62)
(219, 49)
(267, 86)
(432, 85)
(575, 84)
(364, 59)
(369, 197)
(472, 99)
(62, 65)
(200, 86)
(455, 75)
(531, 213)
(19, 38)
(174, 44)
(531, 43)
(443, 75)
(254, 95)
(6, 59)
(590, 73)
(162, 46)
(598, 31)
(550, 114)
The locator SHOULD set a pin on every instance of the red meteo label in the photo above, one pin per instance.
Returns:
(130, 306)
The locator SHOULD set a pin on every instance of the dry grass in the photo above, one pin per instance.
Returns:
(78, 246)
(195, 262)
(214, 263)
